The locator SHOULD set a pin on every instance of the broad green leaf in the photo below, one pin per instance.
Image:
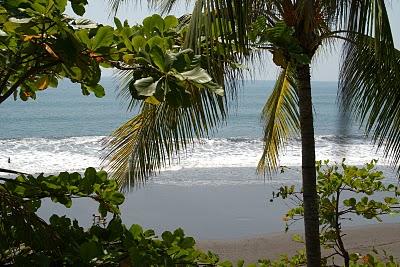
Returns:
(157, 56)
(89, 250)
(128, 58)
(170, 22)
(152, 23)
(187, 242)
(126, 33)
(136, 230)
(78, 8)
(197, 75)
(61, 4)
(117, 198)
(84, 37)
(146, 86)
(138, 42)
(103, 38)
(157, 41)
(97, 89)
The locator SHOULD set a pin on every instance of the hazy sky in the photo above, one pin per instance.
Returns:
(324, 68)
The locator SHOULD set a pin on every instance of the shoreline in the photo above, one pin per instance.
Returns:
(361, 239)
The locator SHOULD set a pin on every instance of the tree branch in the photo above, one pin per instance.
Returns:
(24, 77)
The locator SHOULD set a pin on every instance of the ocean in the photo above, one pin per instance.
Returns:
(213, 192)
(62, 131)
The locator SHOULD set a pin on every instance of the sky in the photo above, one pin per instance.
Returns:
(325, 68)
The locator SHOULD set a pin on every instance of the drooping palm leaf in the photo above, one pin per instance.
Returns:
(159, 134)
(281, 117)
(369, 87)
(363, 17)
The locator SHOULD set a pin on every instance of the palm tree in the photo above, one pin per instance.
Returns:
(295, 32)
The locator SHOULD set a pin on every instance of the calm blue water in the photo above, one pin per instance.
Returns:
(62, 130)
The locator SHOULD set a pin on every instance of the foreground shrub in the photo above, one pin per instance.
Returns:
(334, 185)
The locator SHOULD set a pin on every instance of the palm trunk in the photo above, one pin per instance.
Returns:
(311, 220)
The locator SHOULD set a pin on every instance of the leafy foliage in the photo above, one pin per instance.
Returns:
(179, 101)
(40, 45)
(334, 181)
(26, 239)
(281, 118)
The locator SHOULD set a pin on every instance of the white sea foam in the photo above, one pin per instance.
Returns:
(50, 155)
(34, 155)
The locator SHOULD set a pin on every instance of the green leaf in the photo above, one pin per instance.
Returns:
(78, 8)
(61, 5)
(159, 42)
(197, 75)
(89, 250)
(157, 56)
(136, 230)
(117, 198)
(138, 43)
(152, 23)
(118, 23)
(146, 86)
(103, 210)
(170, 22)
(103, 38)
(83, 36)
(97, 89)
(188, 242)
(167, 236)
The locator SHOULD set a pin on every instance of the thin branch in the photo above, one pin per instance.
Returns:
(12, 171)
(24, 77)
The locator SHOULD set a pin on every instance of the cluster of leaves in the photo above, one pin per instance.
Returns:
(26, 239)
(334, 184)
(25, 236)
(280, 40)
(39, 45)
(161, 70)
(178, 100)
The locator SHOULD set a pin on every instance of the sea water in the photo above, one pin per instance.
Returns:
(213, 192)
(62, 130)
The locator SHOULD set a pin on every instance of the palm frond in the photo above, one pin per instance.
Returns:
(219, 30)
(281, 117)
(365, 17)
(114, 5)
(158, 135)
(369, 87)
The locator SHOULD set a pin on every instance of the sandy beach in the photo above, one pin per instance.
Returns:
(361, 239)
